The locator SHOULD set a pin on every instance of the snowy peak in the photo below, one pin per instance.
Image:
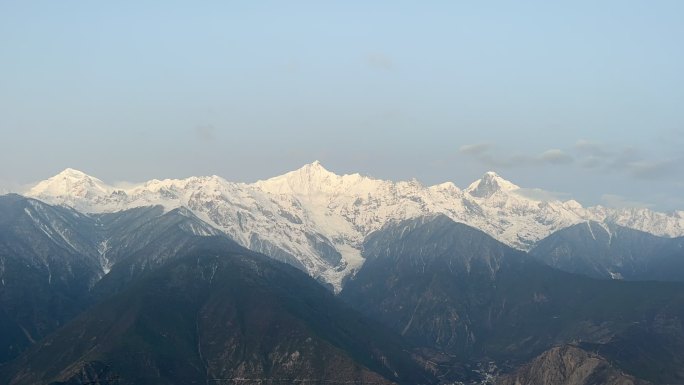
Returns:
(317, 220)
(308, 179)
(316, 164)
(72, 173)
(70, 183)
(313, 172)
(490, 184)
(446, 187)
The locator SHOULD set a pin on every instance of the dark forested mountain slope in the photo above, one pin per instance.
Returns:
(48, 263)
(53, 259)
(612, 251)
(456, 291)
(215, 315)
(138, 244)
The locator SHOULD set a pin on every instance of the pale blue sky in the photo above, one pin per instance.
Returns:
(580, 97)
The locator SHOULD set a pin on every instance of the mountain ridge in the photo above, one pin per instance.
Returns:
(317, 219)
(218, 316)
(456, 291)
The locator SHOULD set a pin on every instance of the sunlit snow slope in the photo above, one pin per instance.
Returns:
(317, 220)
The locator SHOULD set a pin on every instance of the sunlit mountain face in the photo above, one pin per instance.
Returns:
(317, 220)
(333, 278)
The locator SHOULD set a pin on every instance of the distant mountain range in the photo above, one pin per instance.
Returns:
(317, 221)
(187, 281)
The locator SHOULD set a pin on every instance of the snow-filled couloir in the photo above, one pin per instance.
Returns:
(317, 220)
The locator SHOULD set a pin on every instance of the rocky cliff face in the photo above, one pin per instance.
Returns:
(568, 365)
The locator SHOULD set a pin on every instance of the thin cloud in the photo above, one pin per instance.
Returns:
(543, 195)
(654, 170)
(625, 158)
(124, 185)
(669, 201)
(588, 147)
(621, 202)
(592, 162)
(593, 154)
(629, 160)
(555, 156)
(474, 149)
(483, 153)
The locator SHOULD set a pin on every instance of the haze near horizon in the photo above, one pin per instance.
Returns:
(580, 99)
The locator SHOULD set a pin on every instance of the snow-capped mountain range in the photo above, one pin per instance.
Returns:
(317, 220)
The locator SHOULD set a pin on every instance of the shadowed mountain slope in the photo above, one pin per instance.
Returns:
(568, 365)
(456, 291)
(612, 251)
(215, 315)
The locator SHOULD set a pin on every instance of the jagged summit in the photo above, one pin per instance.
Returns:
(490, 184)
(315, 163)
(314, 169)
(310, 178)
